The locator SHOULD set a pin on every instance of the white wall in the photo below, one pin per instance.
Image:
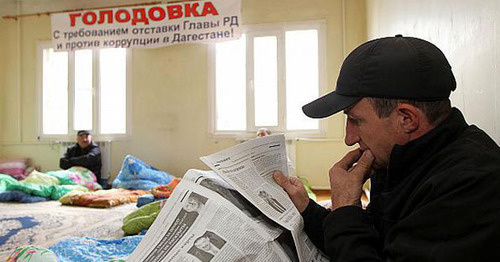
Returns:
(467, 32)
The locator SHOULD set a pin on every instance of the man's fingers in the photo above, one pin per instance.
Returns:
(294, 189)
(349, 159)
(295, 182)
(364, 165)
(281, 180)
(347, 177)
(290, 184)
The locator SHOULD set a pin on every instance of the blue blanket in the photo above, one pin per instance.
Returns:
(94, 249)
(136, 174)
(20, 196)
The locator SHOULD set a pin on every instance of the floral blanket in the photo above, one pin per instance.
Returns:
(136, 174)
(9, 184)
(102, 198)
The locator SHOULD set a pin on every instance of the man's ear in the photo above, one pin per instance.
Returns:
(409, 117)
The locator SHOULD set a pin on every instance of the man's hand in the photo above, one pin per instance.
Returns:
(347, 177)
(294, 188)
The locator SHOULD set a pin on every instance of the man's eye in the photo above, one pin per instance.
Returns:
(354, 121)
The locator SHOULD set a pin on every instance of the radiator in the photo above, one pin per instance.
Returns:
(105, 147)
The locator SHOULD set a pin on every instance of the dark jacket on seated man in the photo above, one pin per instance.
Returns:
(84, 153)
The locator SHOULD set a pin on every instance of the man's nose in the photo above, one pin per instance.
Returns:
(351, 134)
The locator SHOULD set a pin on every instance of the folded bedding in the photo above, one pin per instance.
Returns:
(15, 167)
(76, 176)
(94, 249)
(142, 218)
(102, 198)
(39, 178)
(8, 183)
(145, 199)
(136, 174)
(20, 196)
(164, 191)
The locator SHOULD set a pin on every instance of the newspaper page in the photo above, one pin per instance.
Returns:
(197, 224)
(248, 167)
(210, 180)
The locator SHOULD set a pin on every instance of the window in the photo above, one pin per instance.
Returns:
(264, 78)
(82, 90)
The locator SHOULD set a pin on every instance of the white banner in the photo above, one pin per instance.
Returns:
(148, 26)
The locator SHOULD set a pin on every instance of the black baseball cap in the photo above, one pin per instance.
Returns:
(83, 133)
(391, 67)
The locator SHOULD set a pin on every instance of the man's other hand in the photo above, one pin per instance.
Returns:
(347, 177)
(294, 188)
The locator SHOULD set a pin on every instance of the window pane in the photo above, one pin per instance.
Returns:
(113, 90)
(83, 90)
(230, 87)
(302, 77)
(55, 92)
(266, 81)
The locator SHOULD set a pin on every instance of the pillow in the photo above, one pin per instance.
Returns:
(14, 167)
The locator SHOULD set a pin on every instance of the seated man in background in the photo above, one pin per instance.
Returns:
(262, 132)
(84, 153)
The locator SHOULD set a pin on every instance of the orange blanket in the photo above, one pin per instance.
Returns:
(102, 198)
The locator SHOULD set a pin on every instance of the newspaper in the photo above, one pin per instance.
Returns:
(237, 213)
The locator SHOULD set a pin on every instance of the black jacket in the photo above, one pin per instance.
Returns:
(89, 157)
(439, 201)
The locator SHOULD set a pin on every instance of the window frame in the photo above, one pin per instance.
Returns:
(277, 29)
(96, 99)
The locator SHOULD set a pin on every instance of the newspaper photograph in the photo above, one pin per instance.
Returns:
(197, 224)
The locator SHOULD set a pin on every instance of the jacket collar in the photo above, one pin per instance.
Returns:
(406, 158)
